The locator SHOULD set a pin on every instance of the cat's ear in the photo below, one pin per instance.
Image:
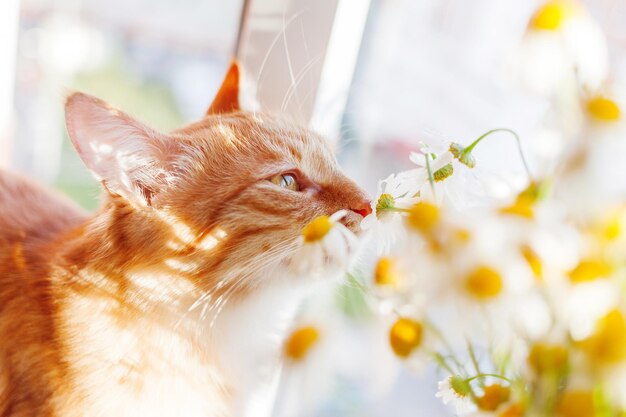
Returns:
(130, 158)
(227, 98)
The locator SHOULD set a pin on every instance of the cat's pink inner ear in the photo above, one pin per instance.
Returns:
(128, 156)
(227, 98)
(93, 127)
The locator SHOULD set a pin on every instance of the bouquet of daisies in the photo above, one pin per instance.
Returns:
(520, 301)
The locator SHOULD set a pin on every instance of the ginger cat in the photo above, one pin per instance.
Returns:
(171, 299)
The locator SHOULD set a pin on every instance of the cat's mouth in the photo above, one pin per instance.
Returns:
(352, 221)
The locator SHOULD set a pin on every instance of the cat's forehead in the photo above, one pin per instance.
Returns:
(265, 139)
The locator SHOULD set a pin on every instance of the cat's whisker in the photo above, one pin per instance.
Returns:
(204, 308)
(228, 295)
(294, 83)
(243, 279)
(293, 87)
(203, 300)
(305, 46)
(285, 44)
(308, 94)
(206, 297)
(223, 299)
(275, 42)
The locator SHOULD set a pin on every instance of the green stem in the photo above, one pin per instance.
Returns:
(357, 283)
(393, 209)
(398, 210)
(470, 349)
(441, 360)
(471, 147)
(431, 178)
(491, 375)
(504, 362)
(446, 343)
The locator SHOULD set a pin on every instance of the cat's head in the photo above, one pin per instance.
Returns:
(242, 183)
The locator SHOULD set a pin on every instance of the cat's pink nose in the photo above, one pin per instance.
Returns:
(364, 209)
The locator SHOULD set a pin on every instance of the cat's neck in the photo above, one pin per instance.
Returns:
(148, 302)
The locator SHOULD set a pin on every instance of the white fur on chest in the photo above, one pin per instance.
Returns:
(249, 339)
(157, 366)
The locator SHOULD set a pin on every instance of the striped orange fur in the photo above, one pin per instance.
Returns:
(166, 301)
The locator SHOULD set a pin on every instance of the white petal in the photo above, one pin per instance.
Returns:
(369, 221)
(441, 161)
(418, 159)
(338, 215)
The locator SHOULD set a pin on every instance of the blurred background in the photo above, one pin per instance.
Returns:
(375, 76)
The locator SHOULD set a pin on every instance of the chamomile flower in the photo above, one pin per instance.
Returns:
(395, 194)
(309, 356)
(562, 47)
(603, 109)
(300, 342)
(410, 339)
(594, 167)
(445, 178)
(596, 180)
(487, 262)
(607, 233)
(325, 245)
(488, 266)
(576, 402)
(388, 272)
(606, 345)
(532, 287)
(440, 165)
(550, 359)
(433, 170)
(493, 397)
(455, 390)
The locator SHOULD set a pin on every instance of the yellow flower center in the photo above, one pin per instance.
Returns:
(443, 172)
(548, 359)
(525, 201)
(515, 410)
(300, 342)
(607, 344)
(405, 336)
(386, 272)
(494, 395)
(519, 209)
(423, 217)
(484, 283)
(534, 262)
(462, 235)
(609, 227)
(317, 229)
(460, 386)
(590, 270)
(603, 109)
(385, 202)
(551, 15)
(613, 228)
(459, 152)
(576, 403)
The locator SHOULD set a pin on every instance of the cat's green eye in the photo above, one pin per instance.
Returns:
(287, 181)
